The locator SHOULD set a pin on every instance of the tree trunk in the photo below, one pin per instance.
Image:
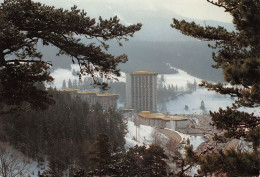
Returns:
(2, 58)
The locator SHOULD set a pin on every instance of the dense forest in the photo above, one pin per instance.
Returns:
(76, 139)
(64, 132)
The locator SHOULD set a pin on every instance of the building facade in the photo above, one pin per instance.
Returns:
(160, 120)
(141, 91)
(106, 100)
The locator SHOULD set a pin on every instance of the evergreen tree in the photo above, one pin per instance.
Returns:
(101, 155)
(154, 162)
(141, 161)
(188, 141)
(237, 54)
(75, 84)
(202, 105)
(161, 82)
(70, 84)
(64, 85)
(63, 132)
(133, 162)
(195, 85)
(25, 23)
(85, 84)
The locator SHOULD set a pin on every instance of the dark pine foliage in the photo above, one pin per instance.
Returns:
(25, 23)
(65, 131)
(137, 161)
(238, 55)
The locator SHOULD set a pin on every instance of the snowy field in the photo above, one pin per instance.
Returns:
(180, 79)
(64, 74)
(212, 101)
(144, 135)
(195, 141)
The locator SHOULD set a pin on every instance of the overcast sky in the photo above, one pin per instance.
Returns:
(196, 9)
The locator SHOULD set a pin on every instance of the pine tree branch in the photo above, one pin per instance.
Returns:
(206, 33)
(227, 9)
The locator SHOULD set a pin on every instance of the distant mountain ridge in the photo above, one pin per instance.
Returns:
(156, 44)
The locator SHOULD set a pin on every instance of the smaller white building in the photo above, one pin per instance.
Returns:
(160, 120)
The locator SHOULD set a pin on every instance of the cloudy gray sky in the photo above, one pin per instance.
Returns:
(155, 15)
(131, 10)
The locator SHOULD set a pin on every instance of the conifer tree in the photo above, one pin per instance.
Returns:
(238, 55)
(75, 84)
(70, 84)
(25, 23)
(101, 154)
(64, 85)
(202, 105)
(154, 161)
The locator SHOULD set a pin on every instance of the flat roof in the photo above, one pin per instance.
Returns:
(89, 92)
(70, 90)
(107, 94)
(143, 72)
(148, 115)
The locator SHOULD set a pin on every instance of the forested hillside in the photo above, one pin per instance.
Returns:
(193, 57)
(64, 133)
(74, 139)
(190, 56)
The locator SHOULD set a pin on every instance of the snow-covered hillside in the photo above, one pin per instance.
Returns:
(180, 79)
(145, 136)
(139, 136)
(195, 141)
(63, 74)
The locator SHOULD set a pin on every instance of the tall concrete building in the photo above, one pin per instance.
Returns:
(141, 91)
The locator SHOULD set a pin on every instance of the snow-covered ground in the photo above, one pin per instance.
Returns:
(180, 79)
(16, 161)
(195, 141)
(35, 168)
(212, 101)
(140, 136)
(145, 136)
(61, 74)
(65, 74)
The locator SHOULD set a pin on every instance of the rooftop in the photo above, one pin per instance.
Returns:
(148, 115)
(143, 72)
(70, 90)
(108, 94)
(89, 92)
